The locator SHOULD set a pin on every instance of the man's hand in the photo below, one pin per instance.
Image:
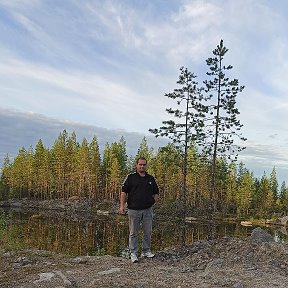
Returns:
(122, 211)
(156, 197)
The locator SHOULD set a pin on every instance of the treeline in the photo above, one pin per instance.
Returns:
(71, 168)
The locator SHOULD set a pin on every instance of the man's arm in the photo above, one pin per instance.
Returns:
(156, 191)
(122, 203)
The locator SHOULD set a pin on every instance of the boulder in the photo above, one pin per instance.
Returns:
(260, 235)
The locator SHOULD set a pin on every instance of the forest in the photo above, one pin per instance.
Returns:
(71, 168)
(196, 171)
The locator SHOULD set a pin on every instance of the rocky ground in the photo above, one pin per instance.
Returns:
(227, 262)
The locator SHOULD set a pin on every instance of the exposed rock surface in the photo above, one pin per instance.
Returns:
(225, 262)
(260, 235)
(72, 204)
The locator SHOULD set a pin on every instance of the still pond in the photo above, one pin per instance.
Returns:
(99, 235)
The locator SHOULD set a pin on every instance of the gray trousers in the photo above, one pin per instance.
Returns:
(136, 218)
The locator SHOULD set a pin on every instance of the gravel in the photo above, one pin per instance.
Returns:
(223, 262)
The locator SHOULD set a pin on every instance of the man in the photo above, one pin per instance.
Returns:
(142, 192)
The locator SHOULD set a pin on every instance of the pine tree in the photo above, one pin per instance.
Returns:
(41, 172)
(144, 151)
(284, 197)
(222, 125)
(166, 167)
(19, 183)
(114, 157)
(5, 178)
(231, 179)
(59, 166)
(188, 125)
(72, 150)
(95, 184)
(264, 194)
(245, 191)
(274, 183)
(83, 169)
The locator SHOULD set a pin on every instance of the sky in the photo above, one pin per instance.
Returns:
(109, 63)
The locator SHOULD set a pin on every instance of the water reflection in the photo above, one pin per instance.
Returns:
(106, 234)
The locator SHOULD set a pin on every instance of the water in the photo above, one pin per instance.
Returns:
(99, 235)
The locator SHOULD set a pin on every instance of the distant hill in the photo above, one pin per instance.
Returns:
(25, 129)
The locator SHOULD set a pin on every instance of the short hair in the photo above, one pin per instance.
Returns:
(141, 158)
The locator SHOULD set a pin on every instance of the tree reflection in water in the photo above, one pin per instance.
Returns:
(109, 234)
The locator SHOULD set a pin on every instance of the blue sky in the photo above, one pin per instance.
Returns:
(109, 63)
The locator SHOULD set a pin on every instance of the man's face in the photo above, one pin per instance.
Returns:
(141, 166)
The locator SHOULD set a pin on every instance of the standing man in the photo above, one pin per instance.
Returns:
(142, 192)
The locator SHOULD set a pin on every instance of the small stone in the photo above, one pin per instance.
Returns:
(22, 261)
(80, 260)
(45, 277)
(110, 271)
(7, 254)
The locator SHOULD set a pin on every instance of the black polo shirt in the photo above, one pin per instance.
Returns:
(140, 190)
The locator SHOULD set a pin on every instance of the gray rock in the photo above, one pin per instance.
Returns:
(45, 277)
(110, 271)
(80, 260)
(22, 261)
(260, 235)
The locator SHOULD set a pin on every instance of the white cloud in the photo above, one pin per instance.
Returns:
(20, 4)
(109, 63)
(77, 91)
(262, 157)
